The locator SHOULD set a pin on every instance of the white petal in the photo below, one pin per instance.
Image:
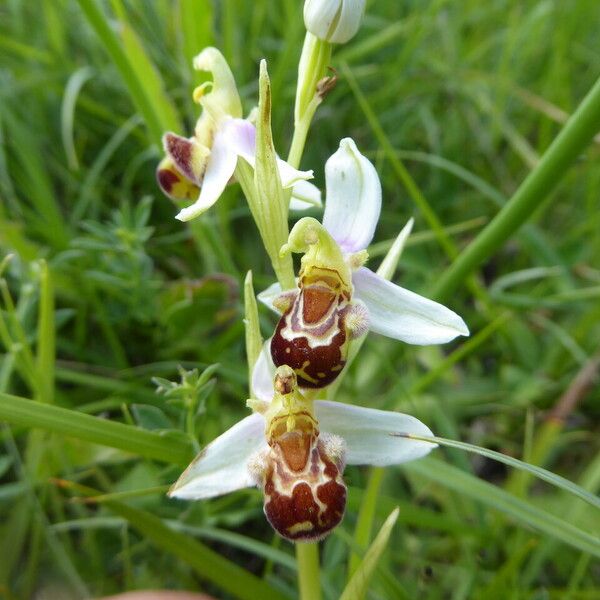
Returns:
(220, 168)
(305, 195)
(268, 295)
(353, 200)
(222, 466)
(289, 175)
(404, 315)
(263, 374)
(369, 433)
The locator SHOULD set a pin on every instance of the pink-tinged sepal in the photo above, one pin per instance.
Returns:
(173, 183)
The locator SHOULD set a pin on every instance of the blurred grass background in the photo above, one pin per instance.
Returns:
(106, 290)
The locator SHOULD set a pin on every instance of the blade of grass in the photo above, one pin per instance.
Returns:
(207, 563)
(538, 185)
(129, 64)
(46, 335)
(543, 474)
(522, 511)
(141, 63)
(195, 22)
(366, 516)
(28, 413)
(67, 113)
(358, 585)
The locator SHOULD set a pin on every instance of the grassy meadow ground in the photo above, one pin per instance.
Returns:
(455, 102)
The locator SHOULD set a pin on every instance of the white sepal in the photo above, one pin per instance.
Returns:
(371, 434)
(404, 315)
(263, 374)
(222, 466)
(353, 202)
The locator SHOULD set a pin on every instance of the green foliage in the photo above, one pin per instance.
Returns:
(105, 293)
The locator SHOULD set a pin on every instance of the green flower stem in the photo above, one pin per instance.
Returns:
(543, 179)
(27, 413)
(315, 58)
(309, 581)
(299, 139)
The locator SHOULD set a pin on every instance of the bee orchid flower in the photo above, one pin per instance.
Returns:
(338, 298)
(198, 168)
(295, 449)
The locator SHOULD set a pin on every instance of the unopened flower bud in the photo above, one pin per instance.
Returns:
(335, 21)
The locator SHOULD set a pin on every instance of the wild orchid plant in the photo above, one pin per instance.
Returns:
(295, 445)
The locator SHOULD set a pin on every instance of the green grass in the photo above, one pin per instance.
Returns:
(456, 103)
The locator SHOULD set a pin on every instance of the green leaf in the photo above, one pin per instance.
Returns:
(540, 183)
(254, 340)
(207, 563)
(548, 476)
(27, 413)
(150, 417)
(522, 511)
(358, 584)
(136, 70)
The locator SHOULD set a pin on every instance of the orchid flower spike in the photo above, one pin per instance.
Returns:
(339, 299)
(198, 168)
(295, 450)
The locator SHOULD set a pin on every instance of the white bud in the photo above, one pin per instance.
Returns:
(335, 21)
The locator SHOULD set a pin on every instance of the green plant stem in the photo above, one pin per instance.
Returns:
(315, 58)
(299, 140)
(309, 581)
(543, 179)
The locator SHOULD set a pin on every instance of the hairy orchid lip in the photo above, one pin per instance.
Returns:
(304, 492)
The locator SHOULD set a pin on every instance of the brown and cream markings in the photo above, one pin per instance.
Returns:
(301, 473)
